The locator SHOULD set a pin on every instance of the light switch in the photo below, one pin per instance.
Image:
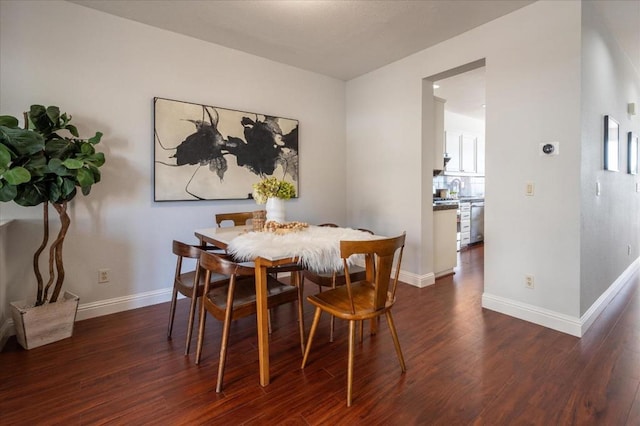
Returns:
(530, 189)
(597, 189)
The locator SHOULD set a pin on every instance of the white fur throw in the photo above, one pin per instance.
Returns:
(316, 247)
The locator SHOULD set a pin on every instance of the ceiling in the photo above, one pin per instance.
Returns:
(342, 39)
(348, 38)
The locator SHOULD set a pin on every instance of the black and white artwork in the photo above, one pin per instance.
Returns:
(210, 153)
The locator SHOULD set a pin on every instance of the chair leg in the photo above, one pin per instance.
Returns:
(202, 321)
(332, 321)
(192, 317)
(396, 342)
(361, 329)
(172, 311)
(228, 315)
(301, 309)
(352, 343)
(314, 325)
(223, 349)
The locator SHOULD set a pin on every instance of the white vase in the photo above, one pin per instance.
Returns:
(275, 209)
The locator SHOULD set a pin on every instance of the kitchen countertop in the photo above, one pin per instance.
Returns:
(445, 207)
(471, 199)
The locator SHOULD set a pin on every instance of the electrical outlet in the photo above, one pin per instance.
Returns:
(528, 281)
(103, 275)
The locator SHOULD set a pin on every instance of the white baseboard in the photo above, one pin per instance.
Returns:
(544, 317)
(102, 307)
(415, 280)
(564, 323)
(605, 298)
(119, 304)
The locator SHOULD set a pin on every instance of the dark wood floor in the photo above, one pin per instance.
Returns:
(465, 365)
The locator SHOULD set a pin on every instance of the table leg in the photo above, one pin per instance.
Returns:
(262, 317)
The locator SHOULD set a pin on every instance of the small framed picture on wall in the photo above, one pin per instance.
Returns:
(611, 144)
(632, 157)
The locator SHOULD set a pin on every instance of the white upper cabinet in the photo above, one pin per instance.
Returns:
(469, 153)
(452, 150)
(463, 149)
(438, 162)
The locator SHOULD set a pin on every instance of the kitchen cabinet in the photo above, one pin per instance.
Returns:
(465, 224)
(438, 144)
(469, 152)
(452, 149)
(464, 150)
(445, 227)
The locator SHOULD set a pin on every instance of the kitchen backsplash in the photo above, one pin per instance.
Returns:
(464, 186)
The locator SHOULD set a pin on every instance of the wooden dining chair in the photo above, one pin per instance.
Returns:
(189, 283)
(238, 218)
(236, 299)
(334, 279)
(241, 219)
(362, 300)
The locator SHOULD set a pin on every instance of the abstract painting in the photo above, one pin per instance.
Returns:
(211, 153)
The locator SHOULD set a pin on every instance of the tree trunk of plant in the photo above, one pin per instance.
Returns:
(36, 257)
(56, 249)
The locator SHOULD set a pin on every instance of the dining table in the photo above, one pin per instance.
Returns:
(313, 247)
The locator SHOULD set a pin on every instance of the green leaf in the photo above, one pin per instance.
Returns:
(54, 193)
(59, 148)
(8, 192)
(84, 177)
(68, 186)
(31, 195)
(86, 190)
(53, 112)
(8, 121)
(95, 139)
(37, 165)
(21, 141)
(72, 129)
(58, 167)
(97, 159)
(17, 175)
(95, 172)
(87, 149)
(5, 156)
(72, 163)
(39, 120)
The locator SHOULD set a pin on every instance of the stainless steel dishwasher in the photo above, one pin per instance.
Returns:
(477, 222)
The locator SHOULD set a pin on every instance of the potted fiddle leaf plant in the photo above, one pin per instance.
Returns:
(46, 163)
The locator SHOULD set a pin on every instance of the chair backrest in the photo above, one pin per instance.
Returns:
(379, 262)
(181, 249)
(211, 262)
(238, 218)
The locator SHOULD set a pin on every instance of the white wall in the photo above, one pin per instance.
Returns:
(105, 71)
(611, 221)
(533, 95)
